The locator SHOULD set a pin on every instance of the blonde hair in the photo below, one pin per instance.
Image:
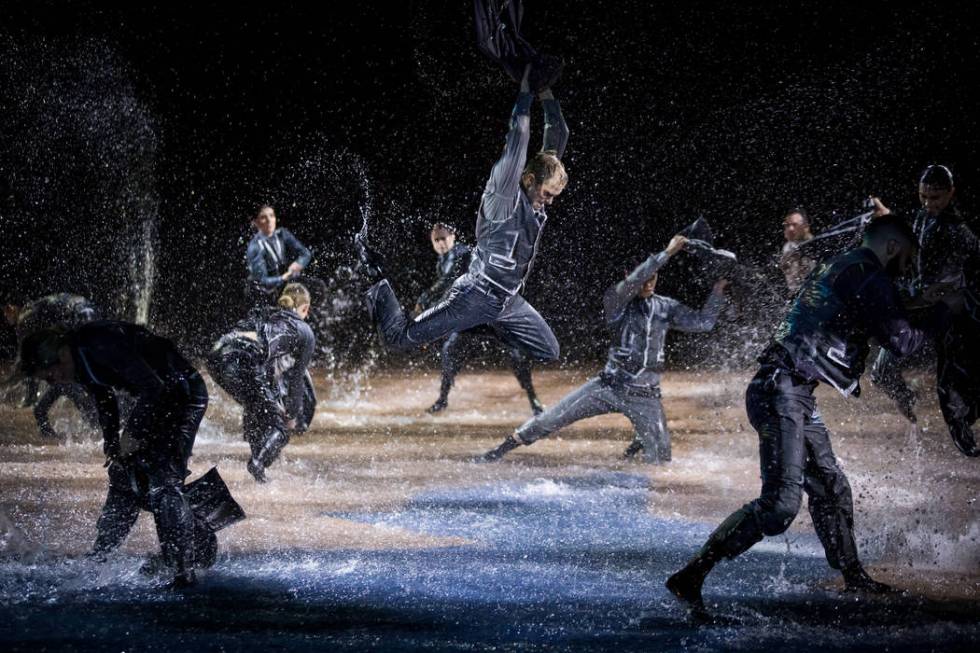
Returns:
(544, 165)
(293, 296)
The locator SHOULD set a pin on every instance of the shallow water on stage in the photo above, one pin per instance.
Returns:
(377, 531)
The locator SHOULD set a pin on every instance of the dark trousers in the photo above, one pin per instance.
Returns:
(238, 367)
(471, 302)
(795, 456)
(152, 478)
(459, 346)
(76, 394)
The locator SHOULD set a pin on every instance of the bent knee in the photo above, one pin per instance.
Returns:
(774, 519)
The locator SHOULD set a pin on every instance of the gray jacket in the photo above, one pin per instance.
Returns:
(507, 227)
(639, 326)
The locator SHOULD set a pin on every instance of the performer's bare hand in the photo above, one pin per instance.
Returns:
(295, 268)
(880, 209)
(676, 244)
(291, 425)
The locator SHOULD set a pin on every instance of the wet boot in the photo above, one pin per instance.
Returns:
(963, 438)
(443, 401)
(267, 455)
(498, 453)
(536, 406)
(635, 447)
(369, 262)
(856, 579)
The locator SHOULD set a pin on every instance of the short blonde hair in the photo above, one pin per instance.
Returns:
(293, 296)
(544, 165)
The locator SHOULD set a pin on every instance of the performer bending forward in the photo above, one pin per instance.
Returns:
(509, 225)
(630, 384)
(824, 337)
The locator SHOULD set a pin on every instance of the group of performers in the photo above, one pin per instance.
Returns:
(840, 303)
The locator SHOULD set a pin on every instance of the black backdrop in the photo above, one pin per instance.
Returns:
(171, 120)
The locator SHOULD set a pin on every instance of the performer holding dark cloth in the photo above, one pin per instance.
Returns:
(262, 363)
(147, 463)
(824, 338)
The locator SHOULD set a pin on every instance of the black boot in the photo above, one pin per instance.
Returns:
(856, 579)
(963, 438)
(635, 447)
(267, 454)
(536, 406)
(441, 403)
(498, 453)
(370, 262)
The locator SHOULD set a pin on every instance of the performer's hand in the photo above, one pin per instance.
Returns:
(291, 425)
(720, 285)
(676, 244)
(294, 269)
(879, 208)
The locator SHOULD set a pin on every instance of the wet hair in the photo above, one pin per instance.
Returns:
(801, 212)
(293, 296)
(39, 351)
(937, 176)
(544, 165)
(443, 228)
(892, 225)
(259, 208)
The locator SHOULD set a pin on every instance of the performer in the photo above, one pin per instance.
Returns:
(847, 300)
(509, 225)
(638, 320)
(147, 464)
(262, 363)
(62, 311)
(945, 243)
(454, 259)
(793, 264)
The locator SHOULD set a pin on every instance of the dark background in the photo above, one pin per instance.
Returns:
(176, 119)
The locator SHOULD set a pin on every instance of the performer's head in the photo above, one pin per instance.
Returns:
(891, 238)
(650, 285)
(796, 225)
(45, 355)
(296, 298)
(443, 237)
(544, 178)
(936, 189)
(264, 219)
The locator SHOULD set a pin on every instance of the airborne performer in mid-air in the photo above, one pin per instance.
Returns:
(509, 224)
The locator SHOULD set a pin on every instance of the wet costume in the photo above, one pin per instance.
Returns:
(824, 338)
(794, 265)
(630, 382)
(58, 311)
(945, 245)
(170, 400)
(262, 364)
(508, 230)
(458, 346)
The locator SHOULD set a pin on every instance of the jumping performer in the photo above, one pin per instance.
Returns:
(824, 338)
(638, 320)
(454, 259)
(262, 363)
(509, 225)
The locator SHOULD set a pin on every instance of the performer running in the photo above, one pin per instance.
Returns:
(454, 259)
(262, 363)
(147, 464)
(638, 321)
(847, 300)
(509, 224)
(945, 244)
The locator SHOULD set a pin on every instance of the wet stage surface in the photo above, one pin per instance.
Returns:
(378, 532)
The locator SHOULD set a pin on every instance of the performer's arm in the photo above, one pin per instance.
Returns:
(108, 409)
(622, 293)
(555, 128)
(878, 299)
(292, 243)
(505, 178)
(257, 270)
(684, 318)
(296, 375)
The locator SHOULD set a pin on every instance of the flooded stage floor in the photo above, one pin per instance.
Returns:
(377, 532)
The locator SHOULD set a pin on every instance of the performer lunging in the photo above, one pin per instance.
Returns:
(847, 300)
(638, 321)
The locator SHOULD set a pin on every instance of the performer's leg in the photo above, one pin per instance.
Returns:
(119, 512)
(647, 417)
(452, 356)
(521, 326)
(886, 373)
(521, 364)
(42, 409)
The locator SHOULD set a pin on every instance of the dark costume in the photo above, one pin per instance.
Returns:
(846, 301)
(61, 311)
(499, 38)
(458, 347)
(262, 363)
(508, 230)
(170, 400)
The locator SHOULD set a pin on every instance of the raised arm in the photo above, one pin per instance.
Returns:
(555, 128)
(622, 293)
(685, 318)
(505, 178)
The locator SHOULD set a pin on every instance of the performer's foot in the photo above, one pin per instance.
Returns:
(858, 580)
(370, 262)
(153, 565)
(635, 447)
(545, 72)
(439, 406)
(257, 470)
(963, 438)
(685, 585)
(183, 580)
(498, 453)
(536, 406)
